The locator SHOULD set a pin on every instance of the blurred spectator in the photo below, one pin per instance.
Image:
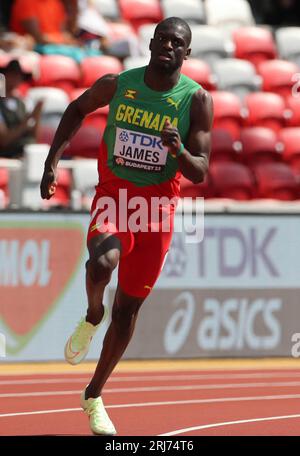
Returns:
(282, 12)
(45, 20)
(17, 126)
(94, 32)
(5, 11)
(276, 12)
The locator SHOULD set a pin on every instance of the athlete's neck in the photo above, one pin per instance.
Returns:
(160, 80)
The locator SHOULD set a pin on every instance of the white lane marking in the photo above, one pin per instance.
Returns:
(155, 404)
(151, 378)
(228, 423)
(149, 389)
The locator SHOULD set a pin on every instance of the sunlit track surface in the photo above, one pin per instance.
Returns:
(213, 401)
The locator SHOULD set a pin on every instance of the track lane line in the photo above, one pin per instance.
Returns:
(162, 403)
(228, 423)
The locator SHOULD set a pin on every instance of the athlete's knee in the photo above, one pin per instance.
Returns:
(100, 268)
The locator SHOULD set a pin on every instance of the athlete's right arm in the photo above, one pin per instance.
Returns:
(100, 94)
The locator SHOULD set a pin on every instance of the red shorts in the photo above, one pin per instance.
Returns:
(144, 243)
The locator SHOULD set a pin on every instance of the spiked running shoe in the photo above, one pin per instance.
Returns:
(78, 344)
(100, 422)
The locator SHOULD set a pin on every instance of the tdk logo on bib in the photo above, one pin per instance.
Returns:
(139, 151)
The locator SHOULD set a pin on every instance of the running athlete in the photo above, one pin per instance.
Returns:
(158, 128)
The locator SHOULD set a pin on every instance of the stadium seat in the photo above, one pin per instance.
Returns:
(55, 102)
(135, 62)
(145, 33)
(190, 190)
(259, 145)
(4, 58)
(223, 147)
(237, 76)
(108, 8)
(277, 76)
(140, 12)
(254, 44)
(29, 60)
(58, 71)
(227, 112)
(277, 181)
(200, 72)
(85, 177)
(209, 43)
(293, 107)
(94, 68)
(85, 143)
(229, 14)
(290, 138)
(4, 187)
(120, 30)
(192, 11)
(232, 180)
(45, 134)
(265, 110)
(288, 42)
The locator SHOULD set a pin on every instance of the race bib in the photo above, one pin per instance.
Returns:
(139, 151)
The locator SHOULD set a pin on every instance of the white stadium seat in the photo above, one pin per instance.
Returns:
(192, 11)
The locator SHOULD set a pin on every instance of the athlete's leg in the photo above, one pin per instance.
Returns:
(124, 314)
(104, 254)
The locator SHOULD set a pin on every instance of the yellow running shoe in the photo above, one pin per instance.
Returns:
(78, 344)
(100, 422)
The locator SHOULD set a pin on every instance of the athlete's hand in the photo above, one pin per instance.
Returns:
(171, 138)
(48, 183)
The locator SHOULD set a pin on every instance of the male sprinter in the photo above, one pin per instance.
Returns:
(158, 127)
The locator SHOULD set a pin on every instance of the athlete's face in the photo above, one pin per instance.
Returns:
(169, 47)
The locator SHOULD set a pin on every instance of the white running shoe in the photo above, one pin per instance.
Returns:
(78, 344)
(100, 422)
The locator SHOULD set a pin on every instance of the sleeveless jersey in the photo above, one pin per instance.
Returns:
(132, 154)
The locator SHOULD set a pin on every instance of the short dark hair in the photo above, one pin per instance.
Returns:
(175, 22)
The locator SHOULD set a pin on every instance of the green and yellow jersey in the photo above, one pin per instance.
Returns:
(132, 152)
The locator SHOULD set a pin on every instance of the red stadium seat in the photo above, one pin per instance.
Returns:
(227, 112)
(265, 110)
(120, 30)
(45, 134)
(290, 138)
(277, 181)
(293, 106)
(232, 180)
(190, 190)
(259, 145)
(255, 44)
(4, 59)
(4, 185)
(140, 12)
(199, 71)
(85, 143)
(278, 76)
(222, 146)
(94, 68)
(58, 71)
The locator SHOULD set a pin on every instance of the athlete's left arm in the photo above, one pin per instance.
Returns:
(193, 159)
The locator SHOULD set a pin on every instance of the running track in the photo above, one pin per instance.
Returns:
(173, 401)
